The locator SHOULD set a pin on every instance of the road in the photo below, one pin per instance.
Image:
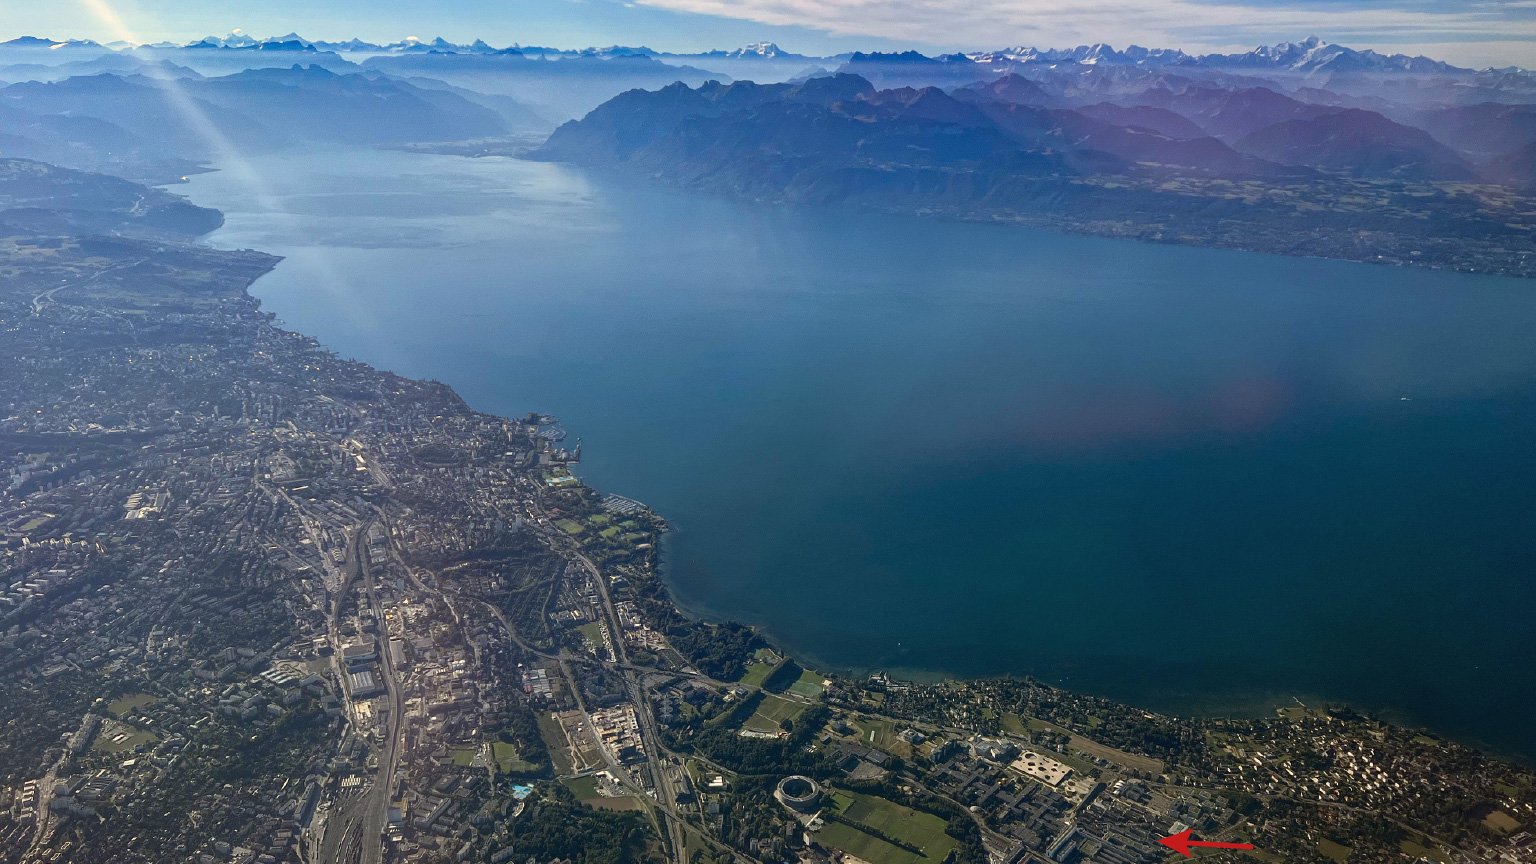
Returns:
(37, 301)
(666, 796)
(359, 826)
(377, 809)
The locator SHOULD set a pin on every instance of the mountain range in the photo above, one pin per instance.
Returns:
(1248, 167)
(159, 127)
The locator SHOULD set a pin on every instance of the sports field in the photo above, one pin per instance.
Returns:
(914, 827)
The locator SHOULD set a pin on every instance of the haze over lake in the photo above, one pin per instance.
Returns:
(1191, 479)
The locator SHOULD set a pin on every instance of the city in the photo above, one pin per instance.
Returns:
(263, 604)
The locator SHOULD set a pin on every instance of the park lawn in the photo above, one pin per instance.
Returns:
(594, 634)
(584, 788)
(554, 742)
(1336, 851)
(881, 735)
(508, 761)
(568, 526)
(864, 846)
(772, 710)
(130, 703)
(462, 756)
(609, 533)
(1502, 822)
(693, 842)
(105, 743)
(808, 685)
(598, 519)
(923, 830)
(1415, 851)
(756, 674)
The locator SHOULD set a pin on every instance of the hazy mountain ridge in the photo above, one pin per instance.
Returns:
(1270, 112)
(36, 197)
(1252, 169)
(151, 126)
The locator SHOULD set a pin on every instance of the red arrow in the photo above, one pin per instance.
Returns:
(1180, 843)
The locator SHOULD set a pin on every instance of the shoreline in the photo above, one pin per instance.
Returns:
(1258, 706)
(1243, 706)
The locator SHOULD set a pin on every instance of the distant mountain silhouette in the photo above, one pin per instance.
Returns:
(258, 109)
(1359, 143)
(1483, 130)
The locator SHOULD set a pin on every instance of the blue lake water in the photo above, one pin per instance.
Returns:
(1195, 480)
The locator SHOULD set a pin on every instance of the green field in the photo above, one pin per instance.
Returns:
(568, 526)
(756, 674)
(865, 846)
(594, 634)
(508, 761)
(764, 663)
(584, 788)
(462, 756)
(1414, 850)
(105, 743)
(1336, 851)
(881, 735)
(772, 710)
(923, 830)
(130, 703)
(808, 685)
(554, 742)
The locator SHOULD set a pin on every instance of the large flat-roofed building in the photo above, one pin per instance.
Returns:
(1041, 767)
(359, 652)
(363, 685)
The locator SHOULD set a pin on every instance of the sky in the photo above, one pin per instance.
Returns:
(1467, 32)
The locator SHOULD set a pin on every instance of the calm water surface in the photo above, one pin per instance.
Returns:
(1195, 480)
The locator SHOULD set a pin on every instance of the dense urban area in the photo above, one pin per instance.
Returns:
(262, 604)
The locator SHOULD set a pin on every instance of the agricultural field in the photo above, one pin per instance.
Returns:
(771, 711)
(912, 827)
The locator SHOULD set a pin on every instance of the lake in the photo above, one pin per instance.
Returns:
(1195, 480)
